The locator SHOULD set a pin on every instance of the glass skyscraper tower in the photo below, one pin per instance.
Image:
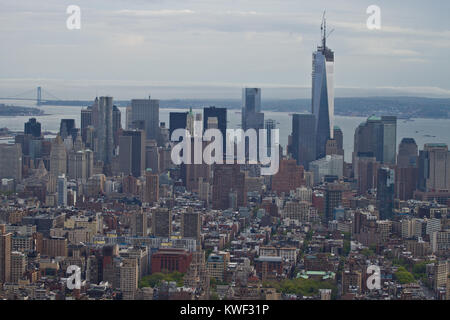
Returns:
(323, 94)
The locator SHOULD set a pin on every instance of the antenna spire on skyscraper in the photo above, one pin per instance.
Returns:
(323, 30)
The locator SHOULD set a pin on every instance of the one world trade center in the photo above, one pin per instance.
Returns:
(323, 93)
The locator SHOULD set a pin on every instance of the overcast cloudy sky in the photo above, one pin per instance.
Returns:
(212, 48)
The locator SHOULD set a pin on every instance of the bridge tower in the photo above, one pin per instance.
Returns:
(39, 96)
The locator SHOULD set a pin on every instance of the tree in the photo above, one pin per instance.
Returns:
(403, 276)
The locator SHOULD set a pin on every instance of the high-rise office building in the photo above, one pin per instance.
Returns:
(102, 118)
(251, 100)
(62, 190)
(406, 173)
(66, 128)
(221, 115)
(434, 167)
(252, 117)
(385, 192)
(389, 139)
(269, 125)
(366, 168)
(11, 161)
(407, 153)
(177, 120)
(151, 189)
(323, 94)
(33, 127)
(5, 255)
(132, 152)
(339, 138)
(77, 166)
(117, 124)
(148, 111)
(18, 266)
(58, 157)
(303, 146)
(162, 222)
(333, 199)
(86, 117)
(129, 278)
(139, 224)
(228, 178)
(190, 224)
(192, 172)
(152, 156)
(378, 136)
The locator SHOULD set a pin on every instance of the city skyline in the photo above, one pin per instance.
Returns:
(149, 199)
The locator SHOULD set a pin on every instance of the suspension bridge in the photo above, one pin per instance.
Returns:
(39, 95)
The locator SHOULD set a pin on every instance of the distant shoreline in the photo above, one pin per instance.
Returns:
(402, 107)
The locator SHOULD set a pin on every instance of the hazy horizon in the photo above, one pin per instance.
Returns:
(197, 49)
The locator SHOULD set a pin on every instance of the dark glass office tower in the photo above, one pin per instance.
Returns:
(33, 127)
(177, 120)
(221, 115)
(132, 152)
(252, 117)
(66, 127)
(303, 147)
(385, 192)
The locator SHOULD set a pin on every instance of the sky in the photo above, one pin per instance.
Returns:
(212, 48)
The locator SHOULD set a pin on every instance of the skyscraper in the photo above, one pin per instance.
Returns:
(139, 224)
(11, 161)
(385, 192)
(18, 266)
(228, 178)
(303, 146)
(407, 153)
(148, 111)
(339, 138)
(177, 120)
(86, 122)
(389, 139)
(116, 124)
(33, 127)
(77, 166)
(86, 117)
(221, 115)
(434, 167)
(269, 125)
(151, 189)
(103, 123)
(5, 255)
(406, 173)
(190, 224)
(252, 117)
(62, 190)
(377, 136)
(66, 128)
(132, 152)
(333, 199)
(162, 223)
(323, 93)
(58, 157)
